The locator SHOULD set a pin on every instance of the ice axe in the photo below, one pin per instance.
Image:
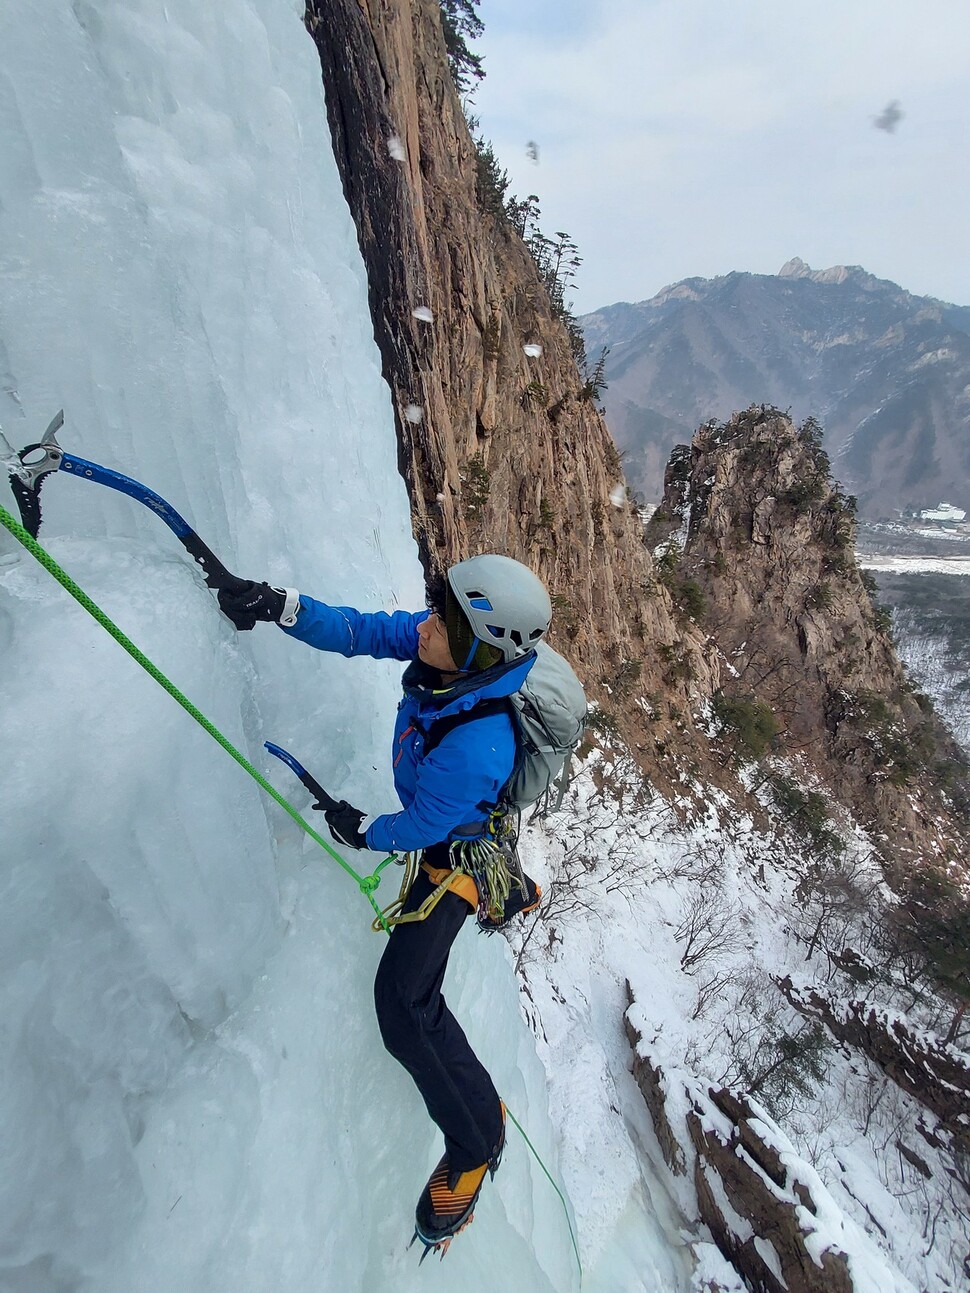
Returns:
(324, 801)
(30, 467)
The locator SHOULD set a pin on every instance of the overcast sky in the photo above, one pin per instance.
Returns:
(695, 137)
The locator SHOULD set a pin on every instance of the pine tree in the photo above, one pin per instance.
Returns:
(458, 21)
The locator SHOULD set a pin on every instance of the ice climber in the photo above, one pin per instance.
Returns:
(453, 752)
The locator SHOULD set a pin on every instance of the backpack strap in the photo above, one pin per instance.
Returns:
(436, 732)
(563, 783)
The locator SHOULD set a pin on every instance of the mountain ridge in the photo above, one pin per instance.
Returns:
(886, 373)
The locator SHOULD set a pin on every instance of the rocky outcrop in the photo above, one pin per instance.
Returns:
(649, 1077)
(760, 541)
(757, 1203)
(504, 452)
(766, 1209)
(936, 1074)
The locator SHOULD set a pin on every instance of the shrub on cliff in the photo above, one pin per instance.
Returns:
(491, 180)
(933, 921)
(750, 723)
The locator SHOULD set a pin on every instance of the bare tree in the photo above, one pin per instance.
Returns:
(709, 928)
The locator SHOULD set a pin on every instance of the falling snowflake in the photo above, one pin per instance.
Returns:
(414, 413)
(423, 313)
(396, 149)
(618, 495)
(533, 351)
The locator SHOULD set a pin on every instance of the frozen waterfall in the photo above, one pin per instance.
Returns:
(194, 1095)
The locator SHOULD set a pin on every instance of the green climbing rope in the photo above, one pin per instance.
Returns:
(562, 1197)
(367, 884)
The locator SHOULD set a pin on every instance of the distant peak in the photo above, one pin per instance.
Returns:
(685, 290)
(797, 268)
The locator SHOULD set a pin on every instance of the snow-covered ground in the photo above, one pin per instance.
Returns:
(700, 916)
(917, 565)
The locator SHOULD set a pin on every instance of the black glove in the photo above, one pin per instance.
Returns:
(251, 602)
(344, 821)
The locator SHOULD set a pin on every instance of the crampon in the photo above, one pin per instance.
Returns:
(447, 1203)
(439, 1246)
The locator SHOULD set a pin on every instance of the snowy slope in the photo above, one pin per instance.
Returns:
(194, 1094)
(699, 912)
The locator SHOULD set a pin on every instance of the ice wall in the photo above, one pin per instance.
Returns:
(193, 1094)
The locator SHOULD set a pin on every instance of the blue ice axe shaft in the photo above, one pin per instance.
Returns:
(325, 801)
(216, 574)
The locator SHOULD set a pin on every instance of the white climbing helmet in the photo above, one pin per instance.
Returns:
(506, 605)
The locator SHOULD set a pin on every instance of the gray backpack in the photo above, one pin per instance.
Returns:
(550, 710)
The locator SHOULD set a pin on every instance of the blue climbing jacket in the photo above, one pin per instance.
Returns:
(447, 794)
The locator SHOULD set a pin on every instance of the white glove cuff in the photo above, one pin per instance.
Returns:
(291, 606)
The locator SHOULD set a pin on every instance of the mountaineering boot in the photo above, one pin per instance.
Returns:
(447, 1203)
(516, 904)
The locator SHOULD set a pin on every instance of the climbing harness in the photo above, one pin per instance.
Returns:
(445, 881)
(480, 873)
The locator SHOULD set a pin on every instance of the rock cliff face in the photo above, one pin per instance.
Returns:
(761, 543)
(507, 454)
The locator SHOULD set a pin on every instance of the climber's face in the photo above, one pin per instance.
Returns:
(433, 646)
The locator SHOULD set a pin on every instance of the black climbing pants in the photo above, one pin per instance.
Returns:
(422, 1034)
